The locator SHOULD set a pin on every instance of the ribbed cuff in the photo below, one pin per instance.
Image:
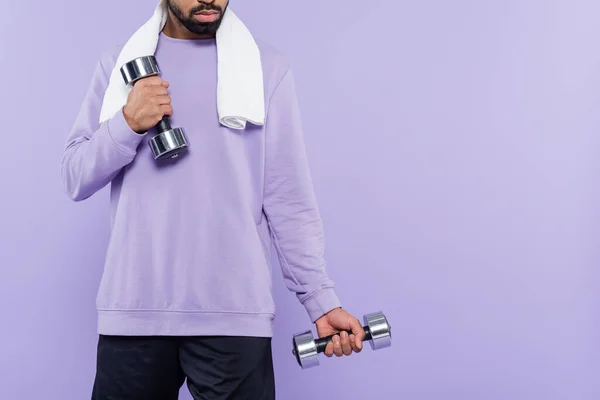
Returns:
(321, 303)
(126, 139)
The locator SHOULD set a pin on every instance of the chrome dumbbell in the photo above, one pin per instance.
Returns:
(169, 141)
(378, 333)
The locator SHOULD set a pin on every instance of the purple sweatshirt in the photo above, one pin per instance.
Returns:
(189, 251)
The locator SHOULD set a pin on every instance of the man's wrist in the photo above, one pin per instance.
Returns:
(321, 303)
(327, 313)
(131, 123)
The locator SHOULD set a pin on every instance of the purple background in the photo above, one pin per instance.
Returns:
(454, 147)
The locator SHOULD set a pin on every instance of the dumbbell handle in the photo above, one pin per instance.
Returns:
(321, 343)
(164, 124)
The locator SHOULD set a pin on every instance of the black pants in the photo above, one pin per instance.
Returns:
(155, 368)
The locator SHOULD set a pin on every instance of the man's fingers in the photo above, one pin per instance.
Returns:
(353, 343)
(346, 346)
(337, 346)
(359, 333)
(151, 81)
(163, 100)
(158, 90)
(166, 109)
(329, 349)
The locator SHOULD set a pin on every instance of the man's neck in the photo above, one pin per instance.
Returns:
(173, 28)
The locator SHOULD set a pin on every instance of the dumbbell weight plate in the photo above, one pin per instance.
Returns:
(305, 350)
(381, 331)
(139, 68)
(168, 144)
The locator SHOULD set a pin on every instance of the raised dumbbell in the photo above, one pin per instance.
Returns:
(378, 333)
(169, 142)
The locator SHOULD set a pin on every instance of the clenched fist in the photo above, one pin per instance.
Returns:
(338, 320)
(147, 103)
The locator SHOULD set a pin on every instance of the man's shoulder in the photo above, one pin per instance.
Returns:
(275, 64)
(274, 61)
(109, 55)
(270, 53)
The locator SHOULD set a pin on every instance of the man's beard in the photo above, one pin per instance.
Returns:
(195, 26)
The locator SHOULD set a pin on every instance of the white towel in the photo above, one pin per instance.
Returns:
(240, 96)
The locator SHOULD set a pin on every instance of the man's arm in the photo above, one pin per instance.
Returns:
(291, 207)
(95, 153)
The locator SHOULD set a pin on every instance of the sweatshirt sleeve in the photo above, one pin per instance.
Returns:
(95, 153)
(290, 205)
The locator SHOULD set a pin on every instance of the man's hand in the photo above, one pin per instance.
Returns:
(147, 103)
(343, 344)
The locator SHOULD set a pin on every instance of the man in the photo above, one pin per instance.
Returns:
(186, 291)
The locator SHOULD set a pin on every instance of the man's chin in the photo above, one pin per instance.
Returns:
(202, 28)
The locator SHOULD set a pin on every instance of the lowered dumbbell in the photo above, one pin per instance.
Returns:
(169, 142)
(378, 333)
